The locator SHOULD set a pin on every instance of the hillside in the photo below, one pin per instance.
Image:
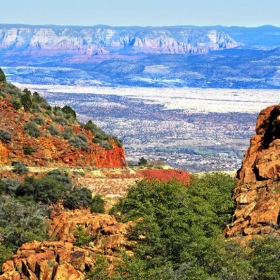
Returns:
(33, 132)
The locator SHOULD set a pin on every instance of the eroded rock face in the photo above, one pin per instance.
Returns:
(62, 259)
(257, 193)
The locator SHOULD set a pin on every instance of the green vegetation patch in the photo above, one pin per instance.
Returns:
(5, 136)
(32, 129)
(79, 142)
(28, 150)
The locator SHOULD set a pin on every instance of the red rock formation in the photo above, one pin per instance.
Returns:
(62, 259)
(51, 150)
(257, 193)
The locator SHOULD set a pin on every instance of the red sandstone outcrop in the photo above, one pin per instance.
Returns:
(61, 259)
(51, 150)
(257, 193)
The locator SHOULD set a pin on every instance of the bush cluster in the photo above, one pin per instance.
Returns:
(32, 129)
(57, 186)
(20, 168)
(11, 89)
(53, 130)
(38, 120)
(79, 142)
(69, 113)
(5, 136)
(42, 102)
(28, 150)
(67, 133)
(20, 222)
(60, 120)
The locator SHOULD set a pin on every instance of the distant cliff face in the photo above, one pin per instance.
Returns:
(103, 40)
(258, 181)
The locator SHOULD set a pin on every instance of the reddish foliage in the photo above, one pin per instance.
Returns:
(165, 175)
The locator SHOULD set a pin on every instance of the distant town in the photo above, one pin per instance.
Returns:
(150, 126)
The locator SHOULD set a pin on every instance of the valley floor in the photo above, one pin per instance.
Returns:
(188, 128)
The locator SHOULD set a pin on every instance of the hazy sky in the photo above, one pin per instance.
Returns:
(142, 12)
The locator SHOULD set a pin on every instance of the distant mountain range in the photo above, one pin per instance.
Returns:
(213, 56)
(104, 39)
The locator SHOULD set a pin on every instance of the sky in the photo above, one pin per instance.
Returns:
(248, 13)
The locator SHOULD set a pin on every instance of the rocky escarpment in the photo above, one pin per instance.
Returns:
(61, 259)
(257, 193)
(105, 39)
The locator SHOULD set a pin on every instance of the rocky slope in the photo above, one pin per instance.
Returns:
(257, 193)
(52, 144)
(96, 40)
(61, 259)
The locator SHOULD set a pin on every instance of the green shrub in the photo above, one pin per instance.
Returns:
(82, 137)
(79, 142)
(67, 133)
(16, 104)
(106, 145)
(97, 204)
(9, 186)
(142, 161)
(78, 198)
(58, 111)
(11, 89)
(117, 141)
(101, 135)
(42, 102)
(97, 140)
(26, 100)
(35, 108)
(81, 238)
(20, 168)
(38, 120)
(5, 136)
(90, 126)
(6, 253)
(20, 222)
(60, 176)
(55, 186)
(60, 120)
(69, 112)
(28, 150)
(32, 129)
(48, 189)
(53, 130)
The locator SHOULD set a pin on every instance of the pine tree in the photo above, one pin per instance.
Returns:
(2, 76)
